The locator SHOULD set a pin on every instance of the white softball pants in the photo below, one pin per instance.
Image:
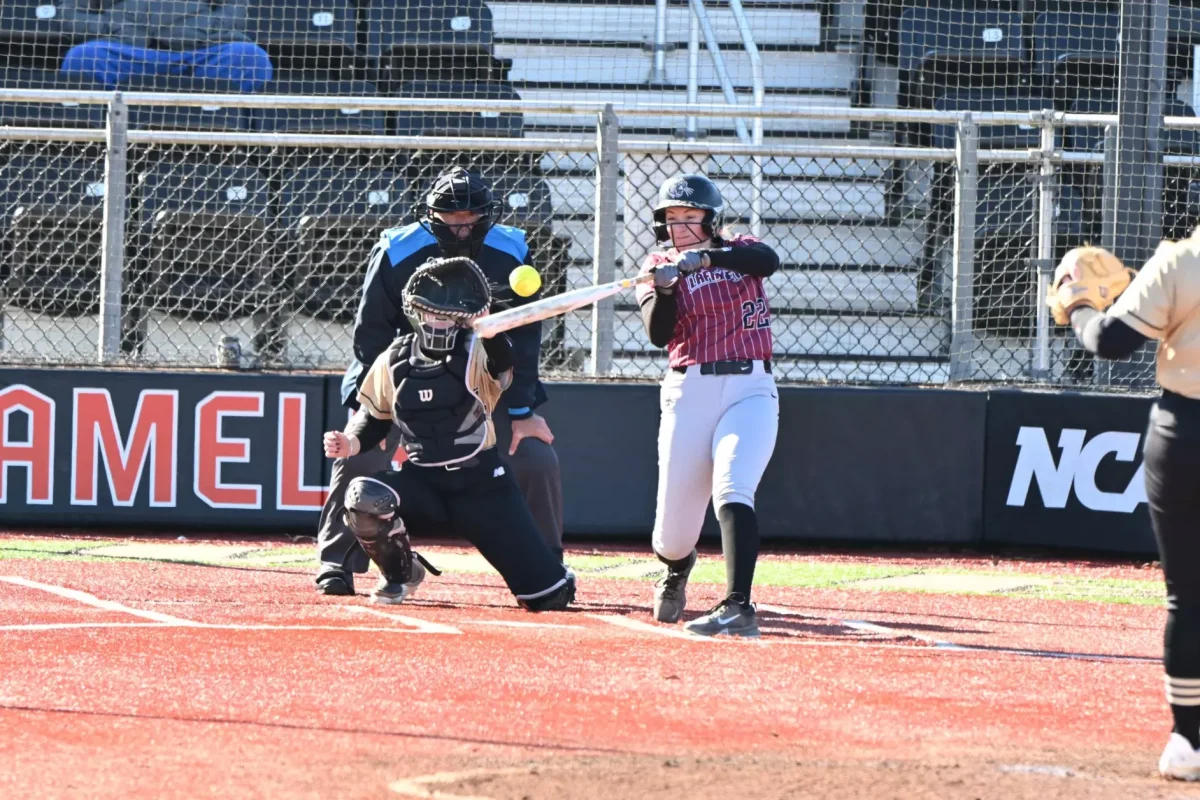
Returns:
(714, 441)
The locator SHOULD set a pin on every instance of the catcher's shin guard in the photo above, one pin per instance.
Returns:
(371, 515)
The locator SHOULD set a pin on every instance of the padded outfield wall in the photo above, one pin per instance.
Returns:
(241, 453)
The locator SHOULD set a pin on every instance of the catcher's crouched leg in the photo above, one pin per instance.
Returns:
(555, 598)
(371, 514)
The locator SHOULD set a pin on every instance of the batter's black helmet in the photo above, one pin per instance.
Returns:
(459, 190)
(689, 191)
(443, 295)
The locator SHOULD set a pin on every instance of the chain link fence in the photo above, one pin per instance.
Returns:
(901, 264)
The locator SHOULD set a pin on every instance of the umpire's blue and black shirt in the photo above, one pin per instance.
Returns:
(380, 317)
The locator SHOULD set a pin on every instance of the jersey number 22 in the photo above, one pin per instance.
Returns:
(755, 314)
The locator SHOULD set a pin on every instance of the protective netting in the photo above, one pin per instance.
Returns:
(264, 249)
(52, 195)
(267, 244)
(854, 300)
(614, 50)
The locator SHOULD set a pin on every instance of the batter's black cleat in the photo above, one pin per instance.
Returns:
(733, 616)
(670, 593)
(335, 583)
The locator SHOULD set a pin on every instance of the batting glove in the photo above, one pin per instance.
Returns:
(665, 278)
(691, 261)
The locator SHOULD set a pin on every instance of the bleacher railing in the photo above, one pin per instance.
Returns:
(240, 250)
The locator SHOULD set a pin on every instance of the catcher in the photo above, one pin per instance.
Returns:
(439, 386)
(1163, 303)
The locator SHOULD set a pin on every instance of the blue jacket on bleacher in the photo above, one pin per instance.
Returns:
(381, 318)
(136, 38)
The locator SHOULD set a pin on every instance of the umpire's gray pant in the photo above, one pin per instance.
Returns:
(535, 467)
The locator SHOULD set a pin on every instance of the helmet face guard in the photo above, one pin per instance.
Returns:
(443, 296)
(688, 191)
(457, 190)
(436, 333)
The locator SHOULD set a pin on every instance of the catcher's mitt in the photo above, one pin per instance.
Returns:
(1087, 276)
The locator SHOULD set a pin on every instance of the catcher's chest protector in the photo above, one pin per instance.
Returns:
(439, 419)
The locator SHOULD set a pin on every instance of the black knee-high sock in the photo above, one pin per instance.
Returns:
(1182, 662)
(739, 540)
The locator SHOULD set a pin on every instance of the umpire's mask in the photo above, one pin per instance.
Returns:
(457, 190)
(442, 296)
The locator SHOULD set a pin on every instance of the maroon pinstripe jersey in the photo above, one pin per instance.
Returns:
(722, 315)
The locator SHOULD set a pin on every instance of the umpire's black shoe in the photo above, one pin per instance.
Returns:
(335, 583)
(733, 616)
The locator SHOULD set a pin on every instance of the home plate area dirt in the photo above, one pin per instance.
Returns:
(151, 667)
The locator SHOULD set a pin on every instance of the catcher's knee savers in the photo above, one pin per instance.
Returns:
(1086, 276)
(370, 509)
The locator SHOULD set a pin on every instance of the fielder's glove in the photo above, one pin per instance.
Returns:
(1087, 276)
(691, 261)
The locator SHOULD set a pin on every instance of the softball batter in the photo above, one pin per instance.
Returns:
(1162, 303)
(720, 407)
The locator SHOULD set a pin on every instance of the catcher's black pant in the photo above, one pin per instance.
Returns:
(1172, 469)
(481, 502)
(535, 467)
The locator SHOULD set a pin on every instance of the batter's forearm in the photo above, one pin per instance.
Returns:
(757, 260)
(659, 314)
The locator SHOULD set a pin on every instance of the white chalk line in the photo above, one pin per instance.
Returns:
(417, 625)
(944, 645)
(645, 627)
(416, 787)
(167, 621)
(92, 600)
(503, 623)
(64, 626)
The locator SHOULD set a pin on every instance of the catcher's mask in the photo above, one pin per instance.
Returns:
(457, 190)
(688, 191)
(442, 296)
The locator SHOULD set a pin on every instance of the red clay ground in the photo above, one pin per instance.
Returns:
(200, 681)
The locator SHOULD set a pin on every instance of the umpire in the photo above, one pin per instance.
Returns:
(457, 219)
(1162, 303)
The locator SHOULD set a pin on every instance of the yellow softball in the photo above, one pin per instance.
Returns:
(525, 280)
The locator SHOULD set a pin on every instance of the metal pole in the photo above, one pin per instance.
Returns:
(714, 52)
(112, 238)
(1195, 77)
(693, 87)
(962, 306)
(1156, 77)
(1108, 202)
(659, 76)
(1132, 89)
(1045, 251)
(1102, 367)
(1139, 176)
(604, 249)
(759, 84)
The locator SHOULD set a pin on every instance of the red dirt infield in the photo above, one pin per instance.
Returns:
(134, 678)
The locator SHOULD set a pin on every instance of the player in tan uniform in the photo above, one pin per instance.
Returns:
(439, 386)
(1162, 303)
